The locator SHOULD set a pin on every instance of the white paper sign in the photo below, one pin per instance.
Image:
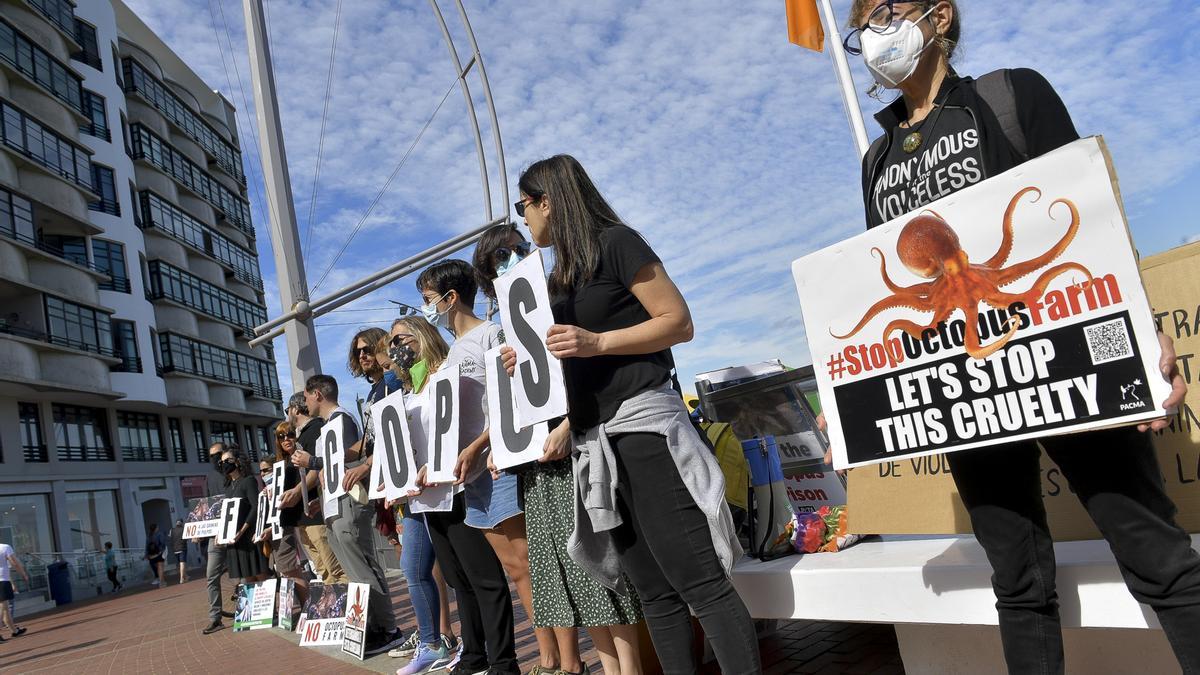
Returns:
(333, 455)
(443, 430)
(278, 478)
(434, 499)
(354, 635)
(525, 313)
(511, 445)
(394, 460)
(231, 509)
(262, 520)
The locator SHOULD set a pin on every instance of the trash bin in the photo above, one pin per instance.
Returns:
(59, 579)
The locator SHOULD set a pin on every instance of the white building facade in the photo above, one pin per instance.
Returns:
(129, 281)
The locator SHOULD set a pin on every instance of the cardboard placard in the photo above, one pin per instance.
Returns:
(324, 615)
(255, 606)
(333, 454)
(525, 313)
(919, 496)
(511, 445)
(443, 431)
(393, 465)
(231, 510)
(203, 519)
(1011, 309)
(354, 637)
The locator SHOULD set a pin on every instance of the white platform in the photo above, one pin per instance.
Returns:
(938, 591)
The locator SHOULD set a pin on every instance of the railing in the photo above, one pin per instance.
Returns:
(182, 354)
(128, 364)
(85, 569)
(28, 58)
(118, 284)
(156, 212)
(25, 135)
(150, 147)
(109, 206)
(171, 283)
(61, 13)
(139, 80)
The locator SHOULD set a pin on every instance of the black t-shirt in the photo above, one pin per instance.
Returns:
(948, 159)
(307, 440)
(597, 386)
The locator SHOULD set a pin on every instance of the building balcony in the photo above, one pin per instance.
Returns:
(168, 282)
(60, 14)
(188, 356)
(33, 359)
(157, 214)
(141, 81)
(153, 150)
(22, 55)
(35, 143)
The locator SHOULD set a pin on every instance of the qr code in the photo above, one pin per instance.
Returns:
(1108, 341)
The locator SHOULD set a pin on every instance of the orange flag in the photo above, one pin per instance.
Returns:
(804, 24)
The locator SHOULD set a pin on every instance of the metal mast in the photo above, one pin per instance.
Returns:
(289, 261)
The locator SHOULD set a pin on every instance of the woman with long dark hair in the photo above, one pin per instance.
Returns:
(243, 557)
(564, 597)
(654, 493)
(1003, 119)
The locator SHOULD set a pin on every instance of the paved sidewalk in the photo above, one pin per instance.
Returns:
(150, 630)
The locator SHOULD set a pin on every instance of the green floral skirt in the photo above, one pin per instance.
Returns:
(563, 594)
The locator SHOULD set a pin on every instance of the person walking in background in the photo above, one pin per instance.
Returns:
(110, 565)
(156, 545)
(564, 598)
(179, 548)
(8, 562)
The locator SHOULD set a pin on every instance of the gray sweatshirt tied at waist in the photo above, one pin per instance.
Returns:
(655, 411)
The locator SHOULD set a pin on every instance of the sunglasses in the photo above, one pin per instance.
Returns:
(520, 206)
(282, 437)
(364, 350)
(399, 338)
(522, 249)
(265, 471)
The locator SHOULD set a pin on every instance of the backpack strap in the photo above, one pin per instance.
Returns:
(996, 89)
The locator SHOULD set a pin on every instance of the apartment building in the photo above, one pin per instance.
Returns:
(129, 280)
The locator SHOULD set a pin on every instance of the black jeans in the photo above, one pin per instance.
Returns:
(471, 568)
(1115, 474)
(667, 552)
(112, 576)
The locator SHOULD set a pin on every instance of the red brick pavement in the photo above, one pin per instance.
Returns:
(158, 631)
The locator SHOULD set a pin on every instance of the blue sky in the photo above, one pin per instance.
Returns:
(726, 146)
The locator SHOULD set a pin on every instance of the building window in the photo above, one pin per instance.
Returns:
(175, 429)
(29, 58)
(31, 432)
(93, 520)
(198, 439)
(268, 442)
(223, 432)
(251, 446)
(109, 257)
(47, 148)
(81, 434)
(93, 107)
(25, 523)
(184, 355)
(171, 283)
(16, 218)
(85, 35)
(67, 246)
(157, 212)
(140, 437)
(126, 347)
(104, 185)
(78, 327)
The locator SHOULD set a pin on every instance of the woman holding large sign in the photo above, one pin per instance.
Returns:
(944, 133)
(654, 493)
(243, 556)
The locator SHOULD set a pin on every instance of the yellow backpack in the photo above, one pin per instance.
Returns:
(732, 460)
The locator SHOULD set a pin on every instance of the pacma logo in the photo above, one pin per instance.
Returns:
(1129, 394)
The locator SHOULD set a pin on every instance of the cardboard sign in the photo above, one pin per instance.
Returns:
(354, 638)
(1009, 310)
(324, 615)
(278, 480)
(255, 606)
(525, 313)
(204, 518)
(231, 510)
(511, 445)
(287, 603)
(919, 496)
(394, 461)
(333, 455)
(443, 431)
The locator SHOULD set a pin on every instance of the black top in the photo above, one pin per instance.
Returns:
(946, 159)
(289, 516)
(307, 440)
(597, 386)
(1040, 112)
(247, 489)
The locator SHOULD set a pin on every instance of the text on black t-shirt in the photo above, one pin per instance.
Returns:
(947, 160)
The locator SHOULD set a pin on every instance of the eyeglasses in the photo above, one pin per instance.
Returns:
(399, 338)
(282, 437)
(522, 249)
(520, 206)
(364, 350)
(878, 21)
(265, 471)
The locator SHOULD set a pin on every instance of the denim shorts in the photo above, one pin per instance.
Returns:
(491, 502)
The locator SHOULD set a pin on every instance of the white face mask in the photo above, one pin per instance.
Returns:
(892, 55)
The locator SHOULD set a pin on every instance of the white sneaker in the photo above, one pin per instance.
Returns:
(154, 583)
(407, 649)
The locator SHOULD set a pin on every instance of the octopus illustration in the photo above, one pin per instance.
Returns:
(931, 250)
(356, 614)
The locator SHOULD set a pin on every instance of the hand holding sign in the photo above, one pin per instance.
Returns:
(333, 452)
(572, 342)
(444, 440)
(511, 445)
(230, 512)
(394, 459)
(525, 313)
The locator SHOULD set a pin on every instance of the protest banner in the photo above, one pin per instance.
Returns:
(354, 637)
(444, 437)
(952, 349)
(231, 510)
(919, 497)
(324, 616)
(525, 313)
(511, 445)
(333, 455)
(203, 519)
(287, 603)
(255, 606)
(392, 468)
